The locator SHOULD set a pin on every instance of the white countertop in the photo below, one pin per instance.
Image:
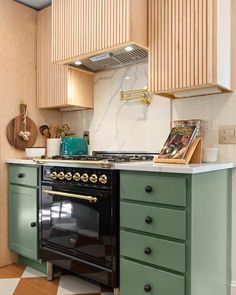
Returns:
(174, 168)
(145, 166)
(21, 161)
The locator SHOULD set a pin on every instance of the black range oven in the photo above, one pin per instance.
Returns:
(79, 221)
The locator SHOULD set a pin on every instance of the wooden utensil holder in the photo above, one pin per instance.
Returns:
(193, 155)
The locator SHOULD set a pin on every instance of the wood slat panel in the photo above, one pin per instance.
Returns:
(51, 78)
(58, 85)
(82, 26)
(180, 42)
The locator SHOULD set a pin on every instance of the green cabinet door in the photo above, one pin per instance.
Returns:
(22, 219)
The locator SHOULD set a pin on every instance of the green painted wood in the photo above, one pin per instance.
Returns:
(166, 222)
(165, 189)
(163, 253)
(23, 175)
(22, 210)
(134, 276)
(38, 265)
(210, 240)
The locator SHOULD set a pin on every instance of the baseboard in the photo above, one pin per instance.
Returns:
(233, 288)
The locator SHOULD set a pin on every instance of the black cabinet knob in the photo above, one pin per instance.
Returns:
(33, 224)
(21, 175)
(148, 219)
(147, 288)
(148, 189)
(147, 251)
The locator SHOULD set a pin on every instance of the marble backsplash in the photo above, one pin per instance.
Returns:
(122, 125)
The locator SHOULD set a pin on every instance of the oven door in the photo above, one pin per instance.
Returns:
(77, 222)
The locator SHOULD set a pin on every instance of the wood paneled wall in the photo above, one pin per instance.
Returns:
(51, 78)
(82, 26)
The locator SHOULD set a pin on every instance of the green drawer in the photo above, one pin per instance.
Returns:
(159, 252)
(23, 175)
(166, 222)
(164, 190)
(134, 277)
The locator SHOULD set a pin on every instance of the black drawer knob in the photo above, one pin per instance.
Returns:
(21, 175)
(148, 219)
(147, 288)
(148, 189)
(147, 251)
(33, 224)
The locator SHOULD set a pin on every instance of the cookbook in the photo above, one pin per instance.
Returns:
(178, 142)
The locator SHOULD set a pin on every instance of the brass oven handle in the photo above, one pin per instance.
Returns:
(81, 197)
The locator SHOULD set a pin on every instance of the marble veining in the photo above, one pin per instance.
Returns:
(122, 125)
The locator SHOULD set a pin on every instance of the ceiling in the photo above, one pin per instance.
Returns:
(36, 4)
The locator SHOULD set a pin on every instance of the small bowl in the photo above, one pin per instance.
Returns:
(34, 152)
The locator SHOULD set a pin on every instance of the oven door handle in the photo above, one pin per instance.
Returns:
(75, 196)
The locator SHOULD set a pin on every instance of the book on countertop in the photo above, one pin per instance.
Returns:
(178, 142)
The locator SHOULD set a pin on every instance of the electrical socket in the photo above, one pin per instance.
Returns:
(227, 134)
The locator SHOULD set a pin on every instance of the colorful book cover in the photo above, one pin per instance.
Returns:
(178, 142)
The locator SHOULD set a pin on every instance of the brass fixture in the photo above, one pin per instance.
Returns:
(53, 175)
(85, 177)
(140, 94)
(102, 163)
(93, 178)
(61, 175)
(103, 179)
(76, 176)
(68, 176)
(81, 197)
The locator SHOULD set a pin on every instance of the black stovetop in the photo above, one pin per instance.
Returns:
(113, 157)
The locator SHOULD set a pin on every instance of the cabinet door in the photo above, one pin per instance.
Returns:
(22, 219)
(186, 55)
(51, 78)
(58, 85)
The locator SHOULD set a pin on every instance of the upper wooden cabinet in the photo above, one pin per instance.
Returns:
(58, 86)
(190, 47)
(84, 27)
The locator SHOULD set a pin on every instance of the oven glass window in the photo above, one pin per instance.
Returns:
(75, 217)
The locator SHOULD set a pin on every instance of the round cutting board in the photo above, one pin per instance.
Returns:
(13, 129)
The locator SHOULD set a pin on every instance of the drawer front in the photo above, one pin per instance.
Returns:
(155, 220)
(151, 187)
(23, 175)
(153, 250)
(134, 277)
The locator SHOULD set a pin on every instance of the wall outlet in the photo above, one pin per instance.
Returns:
(227, 134)
(86, 136)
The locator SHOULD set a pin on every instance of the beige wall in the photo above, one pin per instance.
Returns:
(17, 82)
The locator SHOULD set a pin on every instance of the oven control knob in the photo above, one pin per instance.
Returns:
(85, 177)
(76, 176)
(68, 176)
(61, 175)
(53, 175)
(93, 178)
(103, 179)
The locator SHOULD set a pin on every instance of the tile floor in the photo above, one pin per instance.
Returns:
(17, 279)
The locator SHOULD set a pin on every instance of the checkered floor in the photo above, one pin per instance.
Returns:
(17, 279)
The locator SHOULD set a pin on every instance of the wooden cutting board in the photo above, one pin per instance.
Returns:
(13, 129)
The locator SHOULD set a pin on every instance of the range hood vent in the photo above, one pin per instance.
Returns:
(113, 59)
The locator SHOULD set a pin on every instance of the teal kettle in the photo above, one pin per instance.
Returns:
(73, 146)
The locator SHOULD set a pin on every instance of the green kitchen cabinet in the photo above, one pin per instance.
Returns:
(175, 235)
(23, 220)
(23, 193)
